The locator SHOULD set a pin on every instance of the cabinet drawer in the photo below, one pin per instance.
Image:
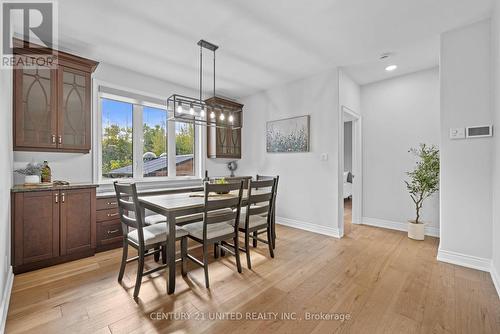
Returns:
(109, 232)
(106, 203)
(109, 214)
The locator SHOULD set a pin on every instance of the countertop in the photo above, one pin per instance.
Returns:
(20, 188)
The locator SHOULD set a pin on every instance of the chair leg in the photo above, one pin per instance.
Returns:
(273, 225)
(270, 241)
(254, 241)
(140, 269)
(205, 264)
(124, 260)
(184, 255)
(216, 250)
(163, 254)
(237, 253)
(157, 255)
(247, 249)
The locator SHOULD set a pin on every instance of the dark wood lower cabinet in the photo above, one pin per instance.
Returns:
(109, 228)
(51, 227)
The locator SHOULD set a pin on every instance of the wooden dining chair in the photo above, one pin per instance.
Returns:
(146, 239)
(220, 222)
(257, 217)
(273, 215)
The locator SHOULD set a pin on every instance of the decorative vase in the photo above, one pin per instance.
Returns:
(31, 179)
(416, 231)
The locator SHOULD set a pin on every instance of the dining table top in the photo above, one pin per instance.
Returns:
(191, 200)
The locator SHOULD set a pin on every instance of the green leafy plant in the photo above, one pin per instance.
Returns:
(424, 179)
(30, 169)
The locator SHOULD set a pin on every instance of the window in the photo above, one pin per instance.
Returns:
(135, 137)
(155, 146)
(184, 148)
(117, 132)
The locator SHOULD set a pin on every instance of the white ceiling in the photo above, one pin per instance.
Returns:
(262, 43)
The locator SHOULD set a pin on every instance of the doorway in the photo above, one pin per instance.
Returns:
(350, 171)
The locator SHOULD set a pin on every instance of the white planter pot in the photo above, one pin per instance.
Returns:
(31, 179)
(416, 231)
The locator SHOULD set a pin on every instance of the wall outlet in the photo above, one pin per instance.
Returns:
(457, 133)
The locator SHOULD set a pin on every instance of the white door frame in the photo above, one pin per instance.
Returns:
(357, 168)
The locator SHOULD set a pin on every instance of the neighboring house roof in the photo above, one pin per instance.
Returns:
(153, 165)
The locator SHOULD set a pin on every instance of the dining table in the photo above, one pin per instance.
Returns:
(172, 205)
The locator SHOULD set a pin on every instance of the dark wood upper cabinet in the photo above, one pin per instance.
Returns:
(224, 142)
(52, 107)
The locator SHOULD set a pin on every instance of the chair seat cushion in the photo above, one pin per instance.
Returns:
(213, 230)
(154, 219)
(254, 221)
(155, 233)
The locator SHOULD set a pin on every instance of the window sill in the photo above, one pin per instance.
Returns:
(106, 186)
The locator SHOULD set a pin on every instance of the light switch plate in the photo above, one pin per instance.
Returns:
(457, 133)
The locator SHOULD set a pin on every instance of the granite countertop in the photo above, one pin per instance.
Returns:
(20, 188)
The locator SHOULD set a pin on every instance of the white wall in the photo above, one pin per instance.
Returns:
(5, 185)
(348, 146)
(308, 186)
(466, 165)
(398, 114)
(495, 38)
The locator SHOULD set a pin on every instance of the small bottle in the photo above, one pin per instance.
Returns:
(206, 178)
(46, 173)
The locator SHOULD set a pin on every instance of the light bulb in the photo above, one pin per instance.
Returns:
(202, 112)
(231, 118)
(212, 115)
(191, 109)
(179, 108)
(222, 117)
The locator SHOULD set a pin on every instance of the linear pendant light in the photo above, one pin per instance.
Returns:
(196, 111)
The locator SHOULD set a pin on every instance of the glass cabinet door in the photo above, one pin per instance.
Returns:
(74, 109)
(35, 109)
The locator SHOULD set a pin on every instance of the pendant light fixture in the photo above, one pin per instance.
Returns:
(200, 112)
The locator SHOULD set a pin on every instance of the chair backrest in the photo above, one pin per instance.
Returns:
(223, 199)
(267, 177)
(131, 214)
(260, 198)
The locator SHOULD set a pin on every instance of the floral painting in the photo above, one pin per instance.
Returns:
(288, 135)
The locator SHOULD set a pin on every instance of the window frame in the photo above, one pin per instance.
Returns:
(138, 133)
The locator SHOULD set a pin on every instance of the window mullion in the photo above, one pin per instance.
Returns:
(172, 172)
(138, 142)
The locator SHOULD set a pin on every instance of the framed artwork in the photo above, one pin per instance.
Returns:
(288, 135)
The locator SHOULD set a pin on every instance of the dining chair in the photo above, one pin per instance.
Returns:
(257, 217)
(146, 239)
(220, 222)
(273, 215)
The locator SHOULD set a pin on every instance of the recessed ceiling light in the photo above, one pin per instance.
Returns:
(391, 68)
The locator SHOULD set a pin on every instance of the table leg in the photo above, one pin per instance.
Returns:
(171, 253)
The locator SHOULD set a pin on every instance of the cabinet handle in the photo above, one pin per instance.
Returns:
(112, 214)
(60, 139)
(57, 198)
(53, 139)
(111, 203)
(62, 197)
(113, 231)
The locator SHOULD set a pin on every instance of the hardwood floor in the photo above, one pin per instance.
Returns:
(385, 283)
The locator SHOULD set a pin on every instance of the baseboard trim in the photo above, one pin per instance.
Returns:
(4, 308)
(399, 226)
(464, 260)
(495, 277)
(325, 230)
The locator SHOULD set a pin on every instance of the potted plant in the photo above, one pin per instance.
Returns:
(31, 173)
(423, 182)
